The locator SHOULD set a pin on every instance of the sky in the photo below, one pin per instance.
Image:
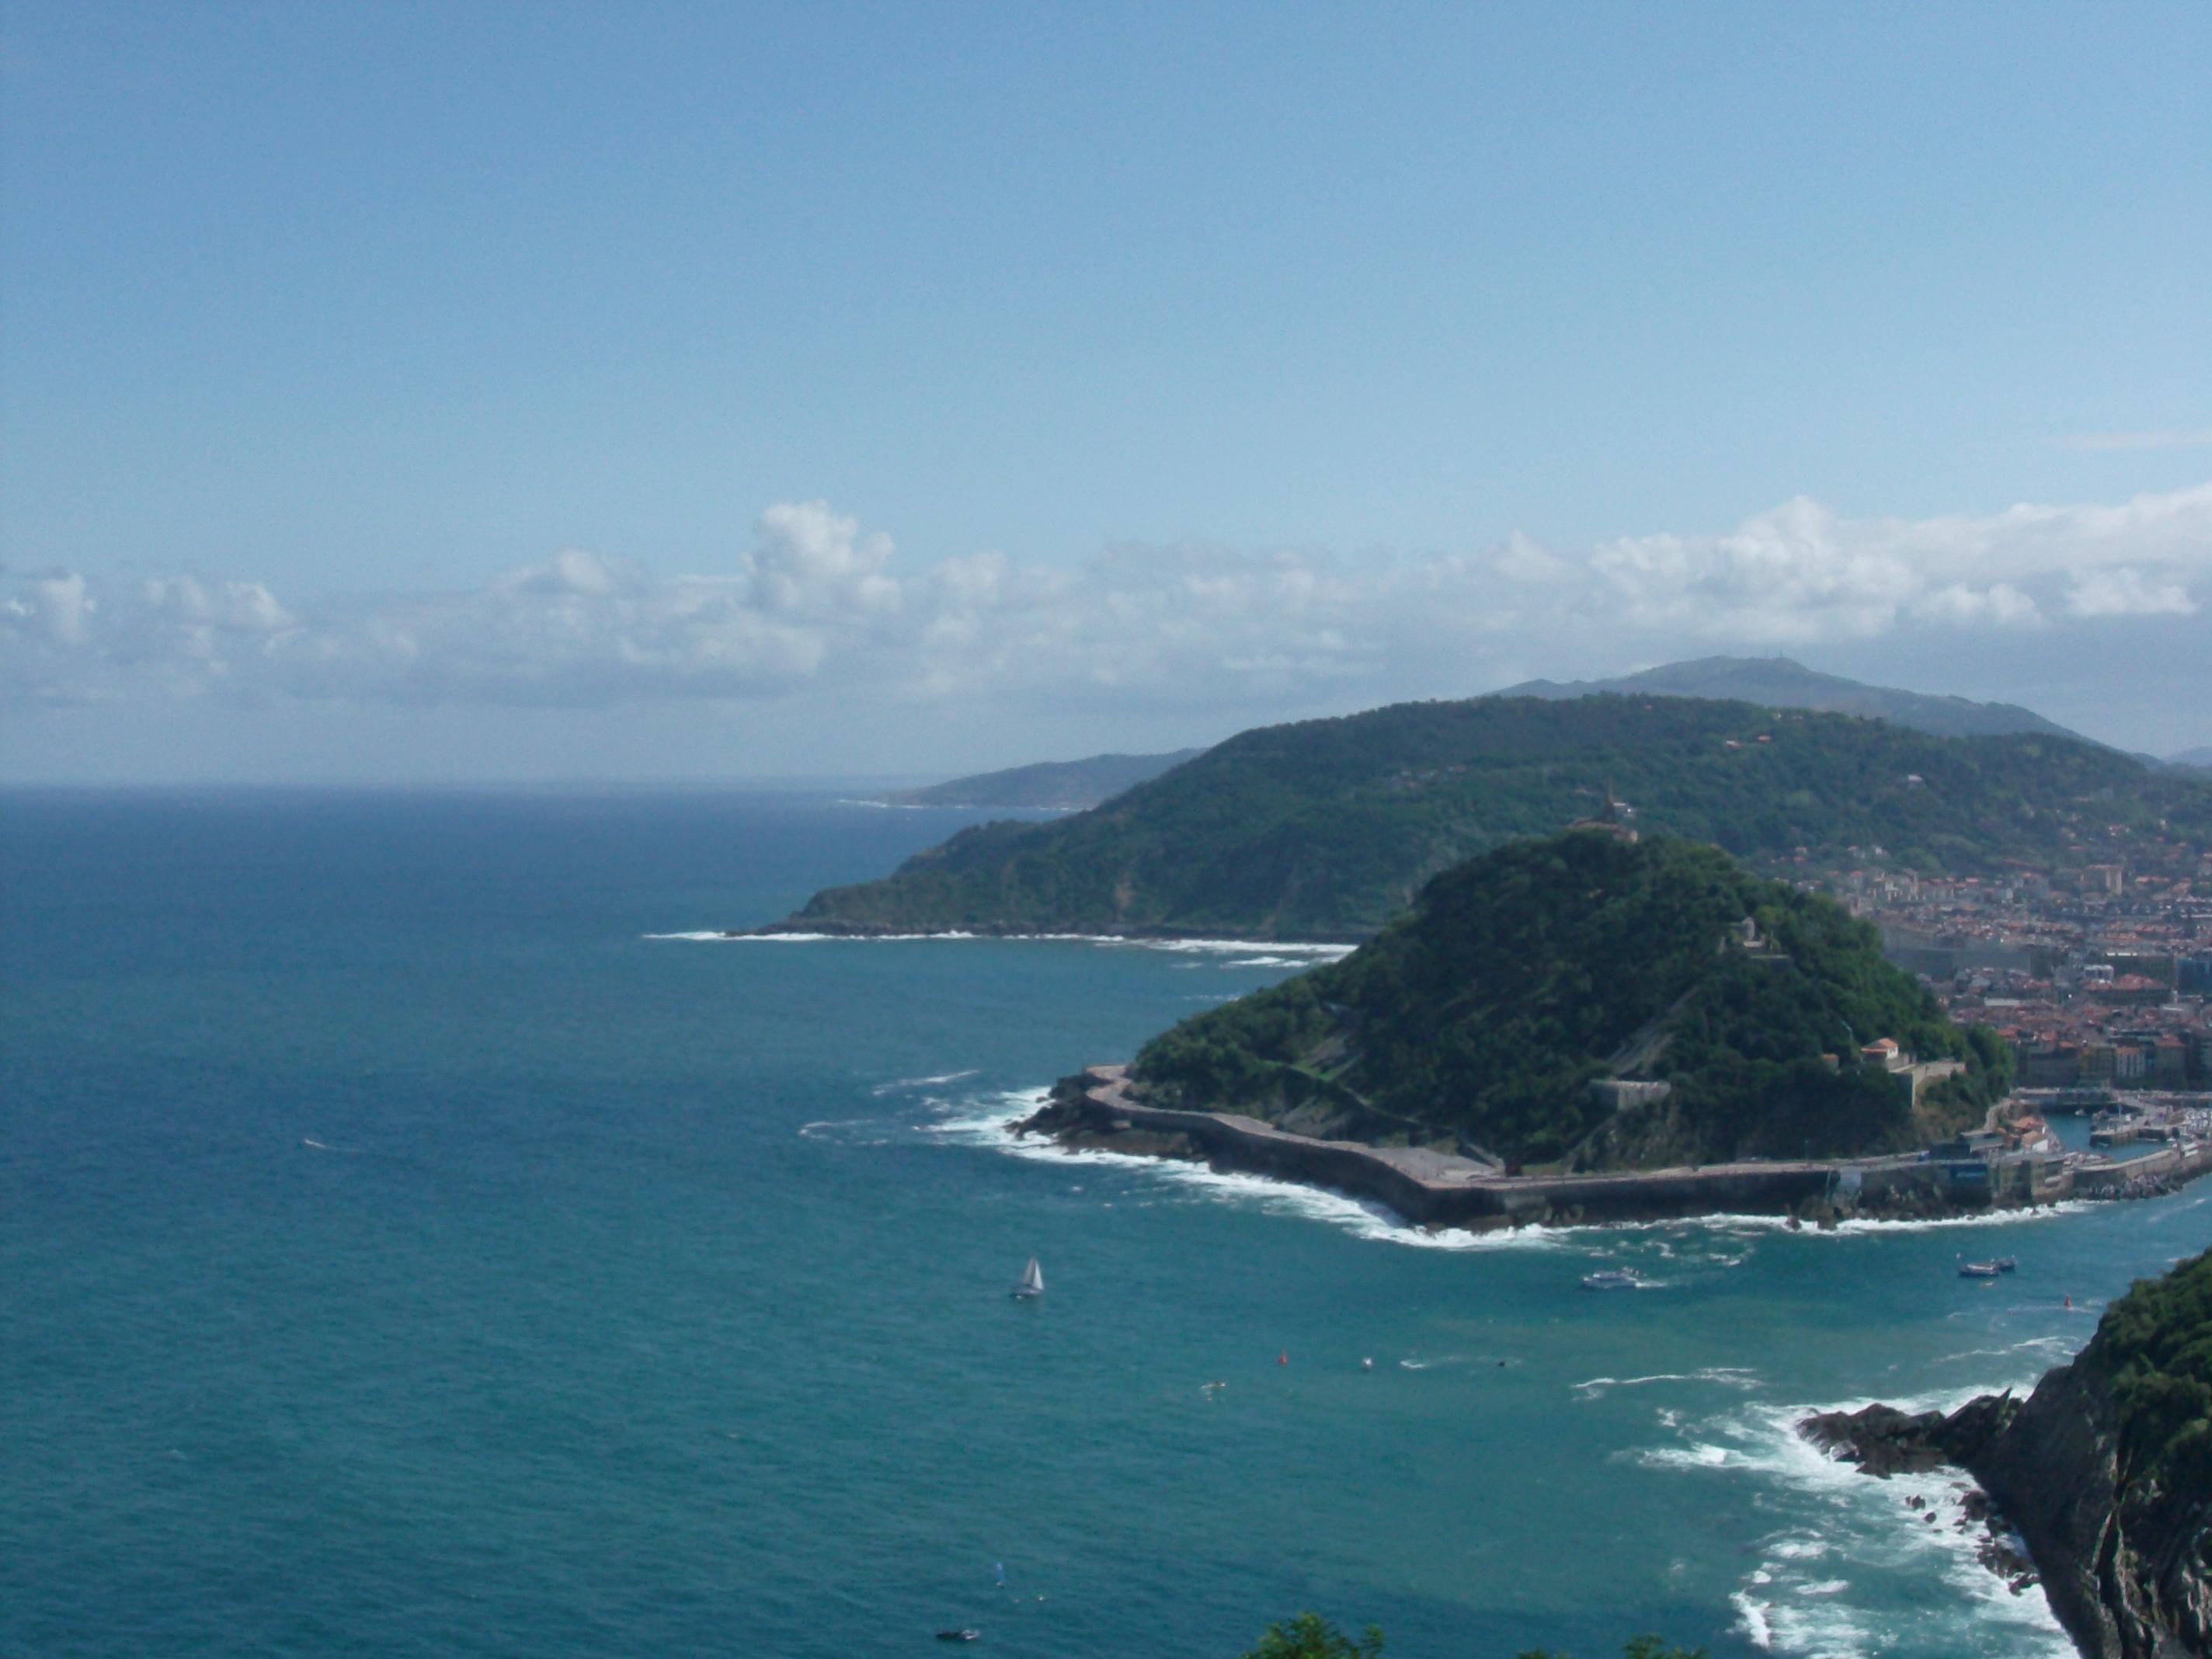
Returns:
(499, 392)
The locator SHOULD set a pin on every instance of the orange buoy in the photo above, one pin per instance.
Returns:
(1283, 1358)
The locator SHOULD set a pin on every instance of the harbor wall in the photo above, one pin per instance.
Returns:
(1438, 1190)
(1432, 1190)
(2172, 1165)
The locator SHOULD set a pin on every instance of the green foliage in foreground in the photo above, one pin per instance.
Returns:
(1309, 1636)
(1521, 976)
(1327, 829)
(2157, 1342)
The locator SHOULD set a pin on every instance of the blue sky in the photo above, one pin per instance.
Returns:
(458, 391)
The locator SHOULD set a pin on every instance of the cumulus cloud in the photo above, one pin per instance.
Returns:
(2124, 591)
(816, 601)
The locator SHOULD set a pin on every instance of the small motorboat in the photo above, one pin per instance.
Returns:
(1982, 1269)
(1613, 1278)
(959, 1635)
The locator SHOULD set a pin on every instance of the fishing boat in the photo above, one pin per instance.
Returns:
(1990, 1269)
(1032, 1282)
(1613, 1278)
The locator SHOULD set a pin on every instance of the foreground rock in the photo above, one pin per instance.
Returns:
(2105, 1470)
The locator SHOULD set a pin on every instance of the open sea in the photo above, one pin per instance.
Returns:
(415, 1240)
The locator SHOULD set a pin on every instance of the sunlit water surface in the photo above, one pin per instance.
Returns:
(406, 1249)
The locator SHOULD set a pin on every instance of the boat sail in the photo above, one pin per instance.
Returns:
(1032, 1281)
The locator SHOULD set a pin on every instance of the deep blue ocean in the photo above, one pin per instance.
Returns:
(407, 1247)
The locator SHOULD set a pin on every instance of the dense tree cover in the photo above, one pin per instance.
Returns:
(1327, 829)
(1778, 683)
(1521, 977)
(2157, 1342)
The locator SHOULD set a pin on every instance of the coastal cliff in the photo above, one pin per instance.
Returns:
(2105, 1470)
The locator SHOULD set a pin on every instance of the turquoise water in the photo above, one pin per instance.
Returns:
(403, 1251)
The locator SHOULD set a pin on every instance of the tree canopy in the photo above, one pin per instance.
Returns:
(1327, 829)
(1520, 977)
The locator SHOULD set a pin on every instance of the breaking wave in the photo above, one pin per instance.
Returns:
(899, 1084)
(1253, 953)
(988, 1122)
(1733, 1376)
(1840, 1527)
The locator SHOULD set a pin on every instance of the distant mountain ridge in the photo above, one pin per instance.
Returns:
(2197, 757)
(1057, 785)
(1780, 683)
(1326, 829)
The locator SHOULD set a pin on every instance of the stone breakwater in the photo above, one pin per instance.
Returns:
(1433, 1188)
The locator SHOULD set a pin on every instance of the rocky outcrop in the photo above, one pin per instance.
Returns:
(1884, 1440)
(2127, 1563)
(2123, 1543)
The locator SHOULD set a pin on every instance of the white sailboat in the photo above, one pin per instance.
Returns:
(1032, 1281)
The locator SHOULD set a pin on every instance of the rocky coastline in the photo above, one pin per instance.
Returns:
(2127, 1564)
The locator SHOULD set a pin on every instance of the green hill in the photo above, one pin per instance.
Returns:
(1778, 683)
(1325, 828)
(1065, 785)
(1485, 1014)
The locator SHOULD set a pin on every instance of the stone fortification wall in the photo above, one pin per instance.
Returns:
(1433, 1188)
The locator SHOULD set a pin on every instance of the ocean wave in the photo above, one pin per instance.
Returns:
(1795, 1599)
(1728, 1223)
(847, 1129)
(1278, 953)
(896, 1084)
(326, 1147)
(1734, 1377)
(1446, 1362)
(2057, 1344)
(723, 937)
(992, 1127)
(1244, 947)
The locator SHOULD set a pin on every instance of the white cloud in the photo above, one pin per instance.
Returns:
(816, 602)
(2124, 591)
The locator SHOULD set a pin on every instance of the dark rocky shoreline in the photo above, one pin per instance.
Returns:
(2128, 1571)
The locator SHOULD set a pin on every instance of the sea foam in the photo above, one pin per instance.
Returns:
(1797, 1598)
